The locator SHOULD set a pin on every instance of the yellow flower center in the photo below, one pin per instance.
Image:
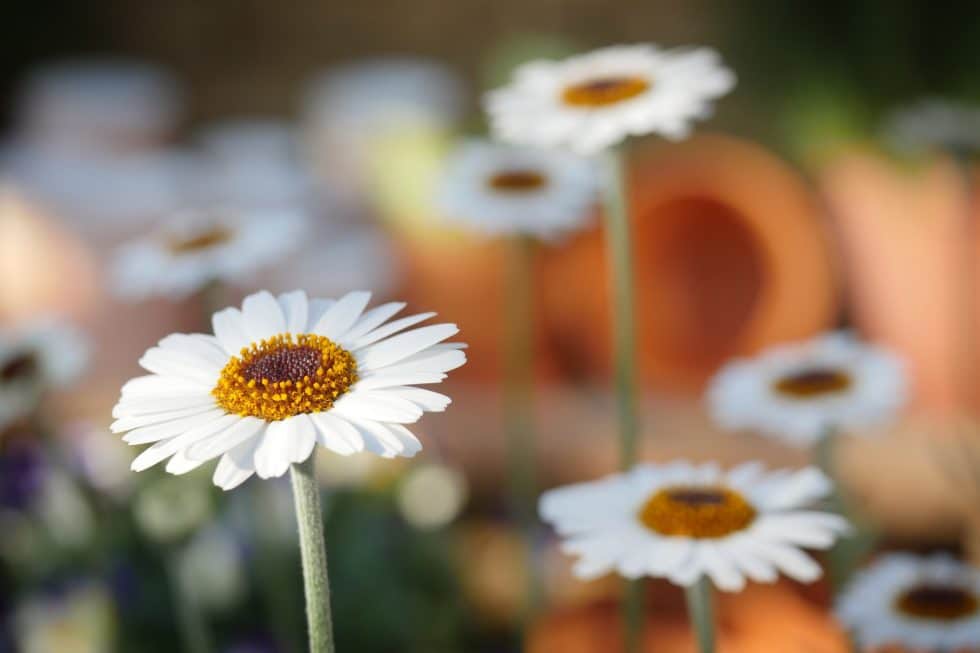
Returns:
(693, 511)
(604, 91)
(284, 376)
(217, 235)
(813, 382)
(517, 181)
(934, 601)
(18, 368)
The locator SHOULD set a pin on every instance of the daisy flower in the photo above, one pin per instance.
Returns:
(281, 375)
(934, 123)
(36, 357)
(800, 392)
(682, 521)
(500, 189)
(930, 603)
(195, 248)
(592, 101)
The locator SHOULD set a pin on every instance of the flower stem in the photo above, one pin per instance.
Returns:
(190, 624)
(313, 551)
(699, 610)
(518, 401)
(619, 256)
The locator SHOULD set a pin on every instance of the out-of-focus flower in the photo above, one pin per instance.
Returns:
(99, 105)
(210, 569)
(380, 113)
(39, 356)
(493, 570)
(683, 521)
(169, 509)
(64, 511)
(101, 459)
(935, 124)
(592, 101)
(801, 392)
(198, 247)
(500, 190)
(431, 496)
(932, 603)
(281, 375)
(80, 619)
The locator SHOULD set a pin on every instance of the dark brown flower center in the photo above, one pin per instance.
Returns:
(933, 601)
(693, 511)
(22, 367)
(284, 365)
(813, 382)
(213, 237)
(604, 91)
(517, 181)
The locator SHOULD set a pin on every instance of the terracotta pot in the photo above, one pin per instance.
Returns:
(730, 255)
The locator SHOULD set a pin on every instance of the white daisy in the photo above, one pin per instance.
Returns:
(681, 522)
(592, 101)
(281, 375)
(42, 355)
(934, 123)
(800, 392)
(195, 248)
(930, 603)
(500, 189)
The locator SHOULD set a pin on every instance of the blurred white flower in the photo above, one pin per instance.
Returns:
(799, 393)
(198, 247)
(169, 509)
(431, 496)
(102, 460)
(934, 123)
(281, 375)
(592, 101)
(64, 511)
(210, 569)
(923, 603)
(500, 190)
(40, 355)
(681, 522)
(81, 619)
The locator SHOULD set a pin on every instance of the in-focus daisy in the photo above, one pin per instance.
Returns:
(801, 392)
(36, 357)
(195, 248)
(925, 603)
(681, 522)
(501, 189)
(934, 123)
(592, 101)
(281, 375)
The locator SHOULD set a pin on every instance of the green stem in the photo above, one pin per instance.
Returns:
(620, 261)
(699, 610)
(313, 552)
(190, 625)
(518, 400)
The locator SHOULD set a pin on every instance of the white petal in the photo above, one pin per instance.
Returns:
(296, 309)
(181, 464)
(337, 434)
(404, 345)
(236, 466)
(229, 328)
(167, 362)
(428, 361)
(372, 319)
(305, 432)
(272, 456)
(240, 431)
(378, 438)
(196, 344)
(143, 431)
(340, 317)
(793, 562)
(376, 405)
(720, 568)
(389, 329)
(262, 316)
(385, 380)
(166, 448)
(424, 399)
(134, 407)
(154, 385)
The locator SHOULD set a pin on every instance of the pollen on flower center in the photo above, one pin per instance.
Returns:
(813, 382)
(517, 181)
(934, 601)
(217, 235)
(693, 511)
(604, 91)
(284, 376)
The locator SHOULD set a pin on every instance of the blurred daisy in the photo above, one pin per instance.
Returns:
(500, 189)
(929, 603)
(800, 392)
(36, 357)
(79, 619)
(199, 247)
(281, 375)
(935, 124)
(683, 521)
(592, 101)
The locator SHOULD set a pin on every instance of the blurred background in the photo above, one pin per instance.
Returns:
(792, 212)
